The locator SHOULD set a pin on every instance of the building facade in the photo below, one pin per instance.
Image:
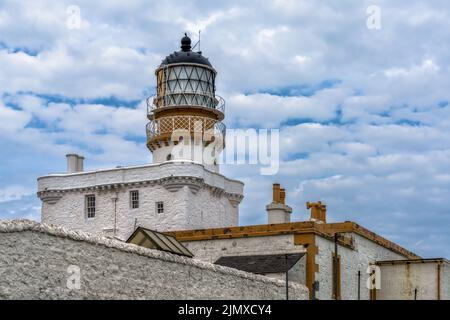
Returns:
(417, 279)
(166, 196)
(357, 250)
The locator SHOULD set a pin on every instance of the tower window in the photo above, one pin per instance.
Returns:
(159, 207)
(134, 199)
(90, 206)
(169, 157)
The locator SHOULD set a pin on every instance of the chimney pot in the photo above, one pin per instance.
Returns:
(80, 164)
(75, 163)
(282, 196)
(276, 193)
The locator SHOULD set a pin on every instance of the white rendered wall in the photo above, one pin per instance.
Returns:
(161, 154)
(296, 274)
(69, 211)
(366, 252)
(207, 209)
(202, 199)
(399, 281)
(139, 173)
(212, 250)
(445, 289)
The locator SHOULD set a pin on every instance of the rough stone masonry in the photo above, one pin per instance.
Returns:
(39, 261)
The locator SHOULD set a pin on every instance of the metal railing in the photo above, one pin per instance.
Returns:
(177, 99)
(168, 125)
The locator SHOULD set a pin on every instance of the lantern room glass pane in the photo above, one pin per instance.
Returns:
(186, 85)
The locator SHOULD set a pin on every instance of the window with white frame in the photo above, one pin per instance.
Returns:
(159, 207)
(90, 205)
(134, 199)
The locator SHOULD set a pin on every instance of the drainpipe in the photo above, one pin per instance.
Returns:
(287, 279)
(315, 288)
(115, 214)
(335, 267)
(359, 284)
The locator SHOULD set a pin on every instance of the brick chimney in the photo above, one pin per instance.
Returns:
(318, 211)
(277, 210)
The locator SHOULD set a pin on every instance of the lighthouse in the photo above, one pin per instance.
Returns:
(186, 114)
(181, 190)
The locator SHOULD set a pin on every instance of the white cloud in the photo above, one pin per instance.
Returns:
(270, 111)
(12, 120)
(59, 71)
(14, 192)
(300, 60)
(203, 23)
(427, 66)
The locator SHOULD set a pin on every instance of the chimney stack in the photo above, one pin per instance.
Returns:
(75, 163)
(282, 196)
(277, 210)
(276, 192)
(318, 211)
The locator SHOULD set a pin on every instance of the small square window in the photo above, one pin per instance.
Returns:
(134, 199)
(90, 206)
(159, 207)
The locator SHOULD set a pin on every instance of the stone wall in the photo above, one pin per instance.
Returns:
(37, 261)
(352, 261)
(160, 155)
(198, 198)
(445, 290)
(212, 250)
(182, 210)
(399, 281)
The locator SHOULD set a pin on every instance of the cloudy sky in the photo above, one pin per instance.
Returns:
(363, 112)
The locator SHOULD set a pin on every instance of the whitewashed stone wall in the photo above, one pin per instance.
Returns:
(208, 209)
(160, 155)
(296, 274)
(193, 197)
(365, 252)
(446, 281)
(147, 172)
(398, 281)
(34, 261)
(212, 250)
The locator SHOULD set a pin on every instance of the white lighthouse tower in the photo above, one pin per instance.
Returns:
(181, 190)
(185, 115)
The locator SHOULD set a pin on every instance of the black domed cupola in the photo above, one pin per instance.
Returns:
(186, 43)
(186, 55)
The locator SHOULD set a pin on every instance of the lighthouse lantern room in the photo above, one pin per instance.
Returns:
(186, 112)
